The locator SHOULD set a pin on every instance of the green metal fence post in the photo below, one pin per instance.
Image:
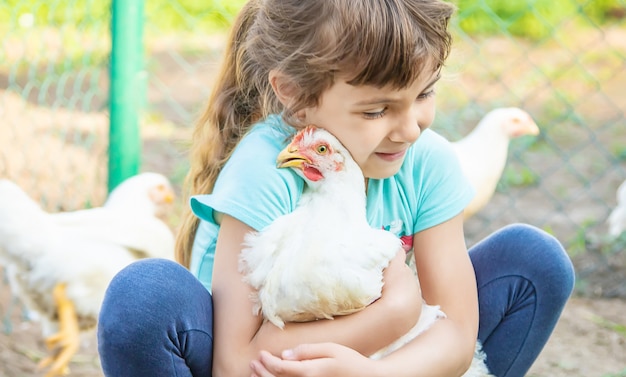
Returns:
(127, 91)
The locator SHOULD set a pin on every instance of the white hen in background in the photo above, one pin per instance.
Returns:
(59, 265)
(144, 193)
(483, 152)
(324, 259)
(617, 218)
(129, 217)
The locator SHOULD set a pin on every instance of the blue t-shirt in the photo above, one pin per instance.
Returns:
(429, 189)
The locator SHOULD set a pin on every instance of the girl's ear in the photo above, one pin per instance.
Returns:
(284, 88)
(285, 91)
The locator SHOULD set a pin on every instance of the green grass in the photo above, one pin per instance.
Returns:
(89, 20)
(610, 325)
(50, 37)
(533, 19)
(195, 15)
(167, 14)
(619, 150)
(618, 374)
(520, 176)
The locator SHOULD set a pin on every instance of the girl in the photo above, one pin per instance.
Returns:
(365, 71)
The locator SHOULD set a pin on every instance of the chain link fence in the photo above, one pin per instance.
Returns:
(562, 61)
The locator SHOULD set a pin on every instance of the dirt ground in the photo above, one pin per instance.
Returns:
(589, 341)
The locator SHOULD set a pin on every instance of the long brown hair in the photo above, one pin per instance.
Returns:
(312, 42)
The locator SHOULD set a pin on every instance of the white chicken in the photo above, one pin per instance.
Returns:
(294, 277)
(60, 265)
(129, 217)
(484, 151)
(617, 218)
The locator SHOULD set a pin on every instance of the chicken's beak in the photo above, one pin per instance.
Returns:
(169, 197)
(161, 194)
(524, 126)
(533, 129)
(290, 158)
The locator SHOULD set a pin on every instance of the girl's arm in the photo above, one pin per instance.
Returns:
(445, 349)
(398, 312)
(447, 279)
(239, 335)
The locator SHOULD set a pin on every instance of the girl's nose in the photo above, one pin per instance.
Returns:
(407, 129)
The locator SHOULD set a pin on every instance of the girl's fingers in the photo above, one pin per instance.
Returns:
(309, 351)
(259, 369)
(316, 359)
(269, 365)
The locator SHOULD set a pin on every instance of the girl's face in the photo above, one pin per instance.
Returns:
(377, 125)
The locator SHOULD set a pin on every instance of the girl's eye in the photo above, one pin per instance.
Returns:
(322, 149)
(375, 114)
(427, 94)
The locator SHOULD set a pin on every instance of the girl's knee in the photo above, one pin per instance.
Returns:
(543, 251)
(532, 253)
(147, 267)
(144, 274)
(153, 284)
(529, 240)
(151, 297)
(141, 287)
(531, 236)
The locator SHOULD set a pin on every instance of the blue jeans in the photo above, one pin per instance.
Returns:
(156, 319)
(524, 279)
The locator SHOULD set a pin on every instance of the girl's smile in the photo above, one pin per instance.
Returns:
(391, 156)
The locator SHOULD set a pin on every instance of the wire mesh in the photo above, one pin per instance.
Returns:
(53, 90)
(563, 61)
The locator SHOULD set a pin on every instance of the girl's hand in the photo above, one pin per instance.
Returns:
(313, 360)
(401, 292)
(398, 273)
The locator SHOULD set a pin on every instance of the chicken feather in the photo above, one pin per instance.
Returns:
(297, 292)
(337, 268)
(483, 152)
(617, 218)
(59, 265)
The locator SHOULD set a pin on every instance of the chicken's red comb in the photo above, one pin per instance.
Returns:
(306, 130)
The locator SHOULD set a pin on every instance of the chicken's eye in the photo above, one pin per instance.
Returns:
(322, 149)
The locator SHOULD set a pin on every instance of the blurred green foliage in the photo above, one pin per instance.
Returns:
(517, 177)
(534, 19)
(41, 13)
(192, 14)
(168, 15)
